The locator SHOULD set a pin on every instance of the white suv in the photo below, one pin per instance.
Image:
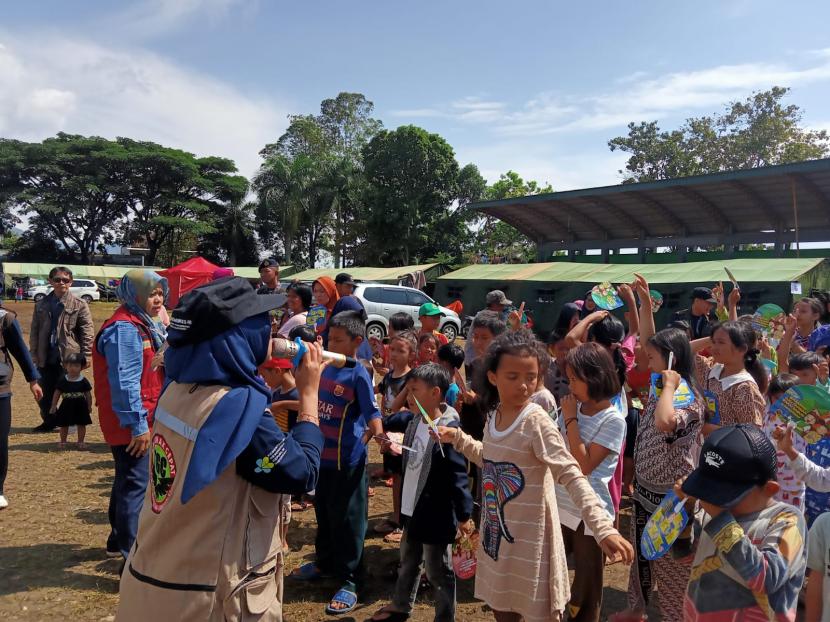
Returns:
(381, 301)
(82, 288)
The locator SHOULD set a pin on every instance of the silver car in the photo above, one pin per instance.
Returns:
(381, 301)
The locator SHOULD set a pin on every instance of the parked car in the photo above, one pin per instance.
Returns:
(82, 288)
(381, 301)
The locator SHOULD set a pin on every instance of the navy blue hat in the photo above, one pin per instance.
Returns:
(734, 459)
(704, 293)
(213, 308)
(270, 262)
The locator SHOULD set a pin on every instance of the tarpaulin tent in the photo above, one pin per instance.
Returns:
(105, 275)
(545, 287)
(187, 275)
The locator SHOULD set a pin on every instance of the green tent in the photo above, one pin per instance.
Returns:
(102, 274)
(545, 287)
(377, 275)
(252, 272)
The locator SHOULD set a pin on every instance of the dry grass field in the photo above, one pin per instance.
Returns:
(52, 537)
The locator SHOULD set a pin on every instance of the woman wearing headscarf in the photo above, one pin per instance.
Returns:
(208, 546)
(126, 391)
(325, 294)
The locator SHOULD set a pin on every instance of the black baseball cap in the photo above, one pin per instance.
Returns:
(734, 459)
(344, 278)
(213, 308)
(271, 262)
(704, 293)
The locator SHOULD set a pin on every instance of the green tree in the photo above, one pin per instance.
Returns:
(759, 131)
(413, 181)
(233, 242)
(74, 189)
(496, 238)
(174, 197)
(337, 136)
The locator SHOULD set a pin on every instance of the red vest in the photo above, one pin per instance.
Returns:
(151, 381)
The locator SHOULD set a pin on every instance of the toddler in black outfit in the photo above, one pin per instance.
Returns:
(75, 395)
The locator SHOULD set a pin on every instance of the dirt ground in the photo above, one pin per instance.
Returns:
(52, 537)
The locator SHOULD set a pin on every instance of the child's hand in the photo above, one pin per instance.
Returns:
(568, 405)
(467, 527)
(823, 371)
(617, 549)
(734, 297)
(765, 348)
(626, 294)
(783, 436)
(710, 509)
(671, 380)
(790, 324)
(717, 293)
(446, 434)
(598, 316)
(642, 288)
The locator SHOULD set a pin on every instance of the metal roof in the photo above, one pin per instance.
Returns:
(738, 207)
(364, 273)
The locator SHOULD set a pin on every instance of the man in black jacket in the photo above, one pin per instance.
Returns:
(700, 315)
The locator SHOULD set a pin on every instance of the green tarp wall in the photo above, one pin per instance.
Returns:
(545, 287)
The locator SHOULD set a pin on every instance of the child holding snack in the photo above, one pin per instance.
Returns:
(522, 456)
(74, 393)
(436, 498)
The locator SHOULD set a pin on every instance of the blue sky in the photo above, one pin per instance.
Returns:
(537, 87)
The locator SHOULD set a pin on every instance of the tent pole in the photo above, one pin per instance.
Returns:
(795, 214)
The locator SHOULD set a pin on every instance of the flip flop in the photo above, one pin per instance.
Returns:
(391, 616)
(343, 596)
(307, 572)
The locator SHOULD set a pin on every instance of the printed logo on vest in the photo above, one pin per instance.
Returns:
(162, 472)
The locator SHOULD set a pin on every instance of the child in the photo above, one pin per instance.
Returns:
(486, 326)
(278, 375)
(750, 559)
(809, 367)
(429, 315)
(347, 407)
(791, 486)
(451, 358)
(428, 345)
(398, 322)
(393, 395)
(76, 406)
(663, 454)
(734, 380)
(521, 456)
(556, 380)
(541, 395)
(18, 294)
(594, 430)
(436, 498)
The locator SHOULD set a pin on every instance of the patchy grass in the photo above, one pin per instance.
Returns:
(53, 564)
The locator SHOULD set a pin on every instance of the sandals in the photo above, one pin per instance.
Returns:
(391, 615)
(299, 506)
(343, 596)
(394, 537)
(307, 572)
(386, 526)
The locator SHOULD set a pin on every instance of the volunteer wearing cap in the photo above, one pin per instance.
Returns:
(269, 274)
(127, 387)
(208, 544)
(700, 315)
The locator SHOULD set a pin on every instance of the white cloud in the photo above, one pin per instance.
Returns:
(50, 84)
(636, 97)
(155, 17)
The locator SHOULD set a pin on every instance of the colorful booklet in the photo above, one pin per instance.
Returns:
(768, 320)
(807, 408)
(665, 525)
(316, 316)
(683, 395)
(605, 296)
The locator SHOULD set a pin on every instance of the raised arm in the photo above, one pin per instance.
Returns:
(646, 320)
(579, 333)
(627, 296)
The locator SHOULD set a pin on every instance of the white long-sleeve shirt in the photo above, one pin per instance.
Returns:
(814, 476)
